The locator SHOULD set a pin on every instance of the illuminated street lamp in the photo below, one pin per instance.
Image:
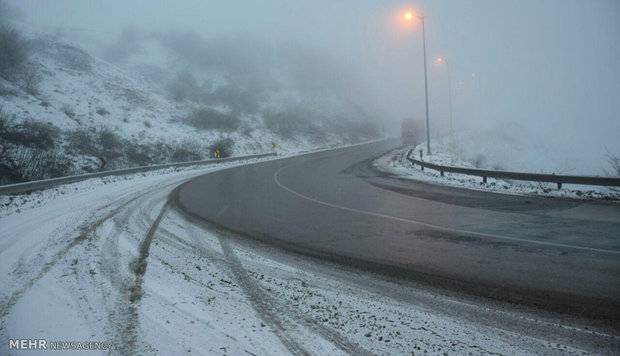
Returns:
(443, 61)
(410, 16)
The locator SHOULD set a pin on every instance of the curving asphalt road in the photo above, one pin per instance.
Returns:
(559, 255)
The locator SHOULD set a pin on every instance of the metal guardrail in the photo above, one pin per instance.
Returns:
(54, 182)
(534, 177)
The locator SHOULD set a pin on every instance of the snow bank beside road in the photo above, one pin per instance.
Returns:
(395, 163)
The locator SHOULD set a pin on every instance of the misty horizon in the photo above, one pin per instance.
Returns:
(552, 70)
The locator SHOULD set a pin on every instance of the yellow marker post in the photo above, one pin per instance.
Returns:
(273, 146)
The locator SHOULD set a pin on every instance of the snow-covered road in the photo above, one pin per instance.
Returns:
(112, 260)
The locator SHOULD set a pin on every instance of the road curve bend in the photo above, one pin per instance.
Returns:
(560, 255)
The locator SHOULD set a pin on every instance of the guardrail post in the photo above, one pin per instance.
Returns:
(484, 180)
(408, 157)
(421, 154)
(441, 173)
(559, 185)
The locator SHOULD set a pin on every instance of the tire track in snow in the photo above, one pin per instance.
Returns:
(280, 316)
(129, 332)
(86, 232)
(260, 300)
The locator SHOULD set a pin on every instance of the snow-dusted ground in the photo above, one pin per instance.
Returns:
(112, 260)
(395, 163)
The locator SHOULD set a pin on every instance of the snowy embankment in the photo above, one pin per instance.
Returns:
(395, 163)
(84, 114)
(111, 260)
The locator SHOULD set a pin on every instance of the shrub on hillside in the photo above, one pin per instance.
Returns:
(614, 165)
(111, 144)
(28, 151)
(225, 147)
(26, 164)
(187, 151)
(208, 119)
(82, 141)
(138, 155)
(102, 143)
(31, 134)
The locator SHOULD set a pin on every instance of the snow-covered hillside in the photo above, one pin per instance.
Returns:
(95, 115)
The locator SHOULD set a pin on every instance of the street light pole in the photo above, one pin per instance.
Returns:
(442, 60)
(452, 137)
(428, 130)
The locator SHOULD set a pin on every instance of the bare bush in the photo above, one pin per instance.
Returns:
(109, 140)
(186, 151)
(139, 155)
(5, 126)
(111, 146)
(82, 141)
(31, 134)
(225, 147)
(614, 164)
(207, 119)
(28, 151)
(33, 164)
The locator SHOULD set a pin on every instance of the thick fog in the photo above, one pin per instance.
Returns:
(535, 83)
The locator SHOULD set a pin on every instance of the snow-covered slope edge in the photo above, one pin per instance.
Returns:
(395, 163)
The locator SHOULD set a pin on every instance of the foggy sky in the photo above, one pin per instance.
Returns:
(551, 66)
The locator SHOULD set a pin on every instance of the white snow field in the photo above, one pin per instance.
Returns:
(111, 260)
(445, 153)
